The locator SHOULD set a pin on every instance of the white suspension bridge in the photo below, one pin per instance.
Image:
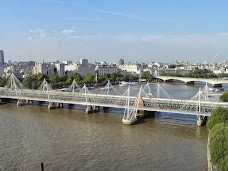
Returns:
(200, 105)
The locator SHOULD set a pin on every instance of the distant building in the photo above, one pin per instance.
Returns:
(120, 62)
(105, 69)
(43, 68)
(1, 57)
(67, 62)
(83, 68)
(133, 68)
(59, 69)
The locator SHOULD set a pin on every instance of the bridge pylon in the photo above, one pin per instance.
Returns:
(202, 96)
(16, 86)
(45, 87)
(130, 112)
(74, 87)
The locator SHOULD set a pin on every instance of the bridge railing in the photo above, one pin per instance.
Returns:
(151, 104)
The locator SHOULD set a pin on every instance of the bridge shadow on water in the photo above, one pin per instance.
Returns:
(176, 118)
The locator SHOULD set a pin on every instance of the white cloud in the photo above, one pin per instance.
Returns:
(42, 35)
(68, 31)
(37, 33)
(84, 37)
(29, 38)
(36, 30)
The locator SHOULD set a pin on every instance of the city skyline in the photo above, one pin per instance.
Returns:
(99, 30)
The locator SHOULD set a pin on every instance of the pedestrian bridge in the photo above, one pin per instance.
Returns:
(200, 105)
(213, 82)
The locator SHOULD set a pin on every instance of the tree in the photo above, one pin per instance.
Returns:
(114, 76)
(223, 164)
(224, 97)
(77, 77)
(219, 115)
(129, 77)
(28, 81)
(63, 78)
(89, 78)
(147, 75)
(219, 145)
(69, 80)
(54, 80)
(101, 78)
(2, 82)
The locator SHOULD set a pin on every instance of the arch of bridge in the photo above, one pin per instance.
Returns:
(186, 80)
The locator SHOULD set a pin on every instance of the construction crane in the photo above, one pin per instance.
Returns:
(214, 58)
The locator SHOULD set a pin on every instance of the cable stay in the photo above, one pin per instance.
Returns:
(108, 89)
(74, 87)
(161, 93)
(130, 112)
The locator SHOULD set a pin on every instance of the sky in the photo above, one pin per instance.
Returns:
(107, 30)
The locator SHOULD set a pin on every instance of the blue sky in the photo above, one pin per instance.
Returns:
(106, 30)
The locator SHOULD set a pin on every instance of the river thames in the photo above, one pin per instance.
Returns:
(69, 139)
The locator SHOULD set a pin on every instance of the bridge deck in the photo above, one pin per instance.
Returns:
(181, 106)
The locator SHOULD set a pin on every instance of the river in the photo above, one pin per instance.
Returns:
(68, 139)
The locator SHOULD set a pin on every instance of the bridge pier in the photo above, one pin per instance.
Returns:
(89, 109)
(92, 109)
(20, 102)
(30, 102)
(60, 105)
(96, 109)
(201, 120)
(51, 105)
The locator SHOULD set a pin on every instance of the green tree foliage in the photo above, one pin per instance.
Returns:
(89, 78)
(147, 75)
(222, 165)
(197, 73)
(2, 82)
(114, 77)
(63, 78)
(219, 115)
(54, 81)
(69, 80)
(129, 77)
(77, 77)
(224, 97)
(219, 144)
(27, 82)
(101, 79)
(34, 81)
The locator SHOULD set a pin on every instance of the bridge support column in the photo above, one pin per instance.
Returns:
(89, 109)
(96, 109)
(201, 120)
(30, 102)
(19, 103)
(60, 105)
(51, 105)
